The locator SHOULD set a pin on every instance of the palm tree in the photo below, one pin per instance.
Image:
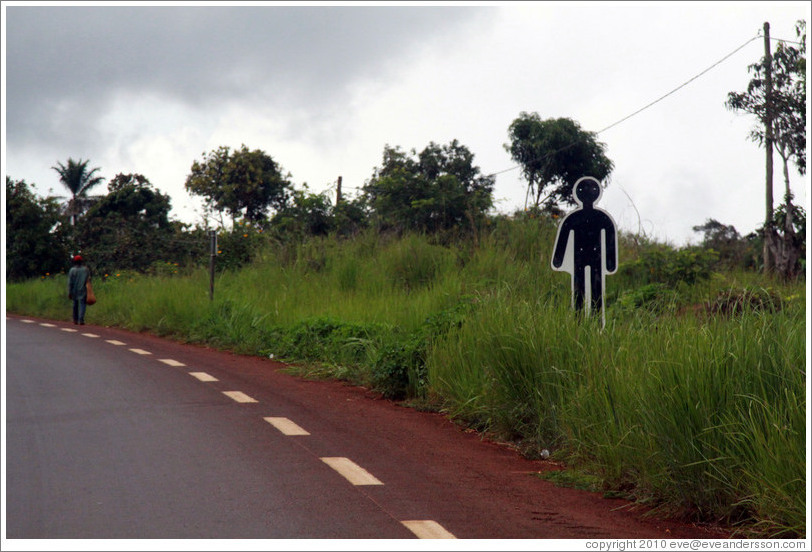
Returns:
(78, 180)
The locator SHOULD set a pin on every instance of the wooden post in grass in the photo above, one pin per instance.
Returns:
(212, 256)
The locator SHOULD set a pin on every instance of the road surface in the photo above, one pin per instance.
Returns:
(114, 434)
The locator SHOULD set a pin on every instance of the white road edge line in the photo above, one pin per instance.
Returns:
(89, 335)
(171, 362)
(286, 426)
(69, 330)
(203, 376)
(351, 471)
(140, 352)
(26, 321)
(428, 529)
(115, 342)
(47, 325)
(239, 396)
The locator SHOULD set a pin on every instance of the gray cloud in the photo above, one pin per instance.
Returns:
(65, 65)
(323, 88)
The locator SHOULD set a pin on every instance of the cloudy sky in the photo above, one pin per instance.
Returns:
(322, 88)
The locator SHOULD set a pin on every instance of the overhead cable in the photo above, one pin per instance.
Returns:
(661, 98)
(689, 81)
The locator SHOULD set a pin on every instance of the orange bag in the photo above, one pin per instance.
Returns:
(91, 297)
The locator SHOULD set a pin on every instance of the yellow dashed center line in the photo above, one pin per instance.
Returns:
(239, 396)
(351, 471)
(428, 529)
(286, 426)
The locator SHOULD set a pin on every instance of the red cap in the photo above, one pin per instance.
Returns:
(78, 258)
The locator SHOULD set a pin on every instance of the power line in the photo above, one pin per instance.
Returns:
(504, 171)
(689, 81)
(787, 41)
(658, 100)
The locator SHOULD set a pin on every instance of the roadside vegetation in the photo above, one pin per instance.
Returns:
(691, 401)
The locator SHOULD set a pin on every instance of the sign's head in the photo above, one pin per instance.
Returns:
(587, 191)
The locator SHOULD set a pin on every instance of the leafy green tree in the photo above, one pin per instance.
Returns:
(35, 241)
(553, 155)
(437, 189)
(306, 214)
(243, 183)
(350, 216)
(78, 180)
(733, 249)
(129, 228)
(717, 233)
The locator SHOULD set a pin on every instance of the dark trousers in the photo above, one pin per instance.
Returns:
(79, 307)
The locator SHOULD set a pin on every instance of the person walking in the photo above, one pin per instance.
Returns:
(78, 276)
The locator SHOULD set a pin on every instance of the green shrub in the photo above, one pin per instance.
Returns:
(665, 265)
(327, 339)
(732, 302)
(399, 369)
(655, 298)
(238, 247)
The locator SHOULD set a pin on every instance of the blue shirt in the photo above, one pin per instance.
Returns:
(77, 282)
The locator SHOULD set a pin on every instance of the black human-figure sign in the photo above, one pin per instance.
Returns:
(586, 247)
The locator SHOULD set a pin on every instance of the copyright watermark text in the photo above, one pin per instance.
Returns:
(622, 545)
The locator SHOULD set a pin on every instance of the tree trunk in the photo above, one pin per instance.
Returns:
(784, 249)
(788, 225)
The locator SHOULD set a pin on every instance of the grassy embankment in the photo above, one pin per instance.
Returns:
(684, 401)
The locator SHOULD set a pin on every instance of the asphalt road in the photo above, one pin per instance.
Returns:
(112, 434)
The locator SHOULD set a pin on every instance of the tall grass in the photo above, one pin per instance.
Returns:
(706, 418)
(695, 410)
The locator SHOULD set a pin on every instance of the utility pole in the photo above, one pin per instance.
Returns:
(338, 191)
(768, 144)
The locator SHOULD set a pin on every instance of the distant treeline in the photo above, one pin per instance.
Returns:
(250, 200)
